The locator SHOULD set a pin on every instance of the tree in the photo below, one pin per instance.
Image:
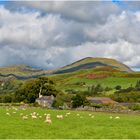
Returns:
(137, 86)
(95, 90)
(31, 89)
(7, 99)
(118, 87)
(77, 101)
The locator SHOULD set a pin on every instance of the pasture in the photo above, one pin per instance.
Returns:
(74, 124)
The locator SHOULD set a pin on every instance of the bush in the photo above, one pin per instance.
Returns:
(78, 101)
(118, 87)
(134, 107)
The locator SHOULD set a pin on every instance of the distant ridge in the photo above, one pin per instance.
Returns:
(24, 72)
(92, 63)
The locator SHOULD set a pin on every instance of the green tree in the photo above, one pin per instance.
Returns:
(118, 87)
(77, 101)
(31, 89)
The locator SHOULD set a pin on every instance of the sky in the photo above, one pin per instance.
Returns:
(52, 34)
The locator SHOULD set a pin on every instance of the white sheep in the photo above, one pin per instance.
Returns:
(8, 114)
(117, 117)
(25, 117)
(34, 117)
(21, 114)
(68, 113)
(47, 117)
(92, 116)
(60, 116)
(49, 121)
(111, 117)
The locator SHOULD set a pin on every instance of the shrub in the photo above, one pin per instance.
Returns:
(118, 87)
(134, 107)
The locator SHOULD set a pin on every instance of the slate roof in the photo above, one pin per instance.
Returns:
(101, 100)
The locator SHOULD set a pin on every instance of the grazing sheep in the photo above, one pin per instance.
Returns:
(68, 113)
(111, 117)
(49, 121)
(92, 116)
(117, 117)
(34, 117)
(8, 114)
(78, 114)
(40, 116)
(25, 117)
(60, 116)
(21, 114)
(47, 117)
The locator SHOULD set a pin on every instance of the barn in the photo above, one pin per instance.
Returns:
(45, 101)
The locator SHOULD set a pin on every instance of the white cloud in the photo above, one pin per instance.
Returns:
(52, 41)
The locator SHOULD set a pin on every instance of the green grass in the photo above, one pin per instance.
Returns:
(69, 80)
(101, 126)
(112, 82)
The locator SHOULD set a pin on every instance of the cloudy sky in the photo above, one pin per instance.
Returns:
(53, 34)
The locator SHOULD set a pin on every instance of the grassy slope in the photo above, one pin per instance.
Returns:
(68, 81)
(13, 127)
(107, 61)
(20, 70)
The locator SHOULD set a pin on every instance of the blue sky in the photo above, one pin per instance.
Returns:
(53, 34)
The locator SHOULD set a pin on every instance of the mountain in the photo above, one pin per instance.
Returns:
(22, 72)
(93, 63)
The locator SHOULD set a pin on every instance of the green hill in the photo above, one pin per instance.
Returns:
(21, 72)
(92, 63)
(24, 72)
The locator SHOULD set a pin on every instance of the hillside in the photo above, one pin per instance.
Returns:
(21, 72)
(24, 72)
(92, 63)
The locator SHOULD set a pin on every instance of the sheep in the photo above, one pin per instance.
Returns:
(8, 114)
(47, 117)
(78, 114)
(21, 114)
(49, 121)
(40, 116)
(68, 113)
(117, 117)
(92, 116)
(25, 117)
(111, 117)
(59, 116)
(34, 117)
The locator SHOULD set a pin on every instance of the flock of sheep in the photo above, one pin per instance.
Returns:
(48, 119)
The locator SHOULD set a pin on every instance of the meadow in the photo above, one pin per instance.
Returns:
(78, 124)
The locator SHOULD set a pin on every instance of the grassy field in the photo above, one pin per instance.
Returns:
(72, 126)
(70, 80)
